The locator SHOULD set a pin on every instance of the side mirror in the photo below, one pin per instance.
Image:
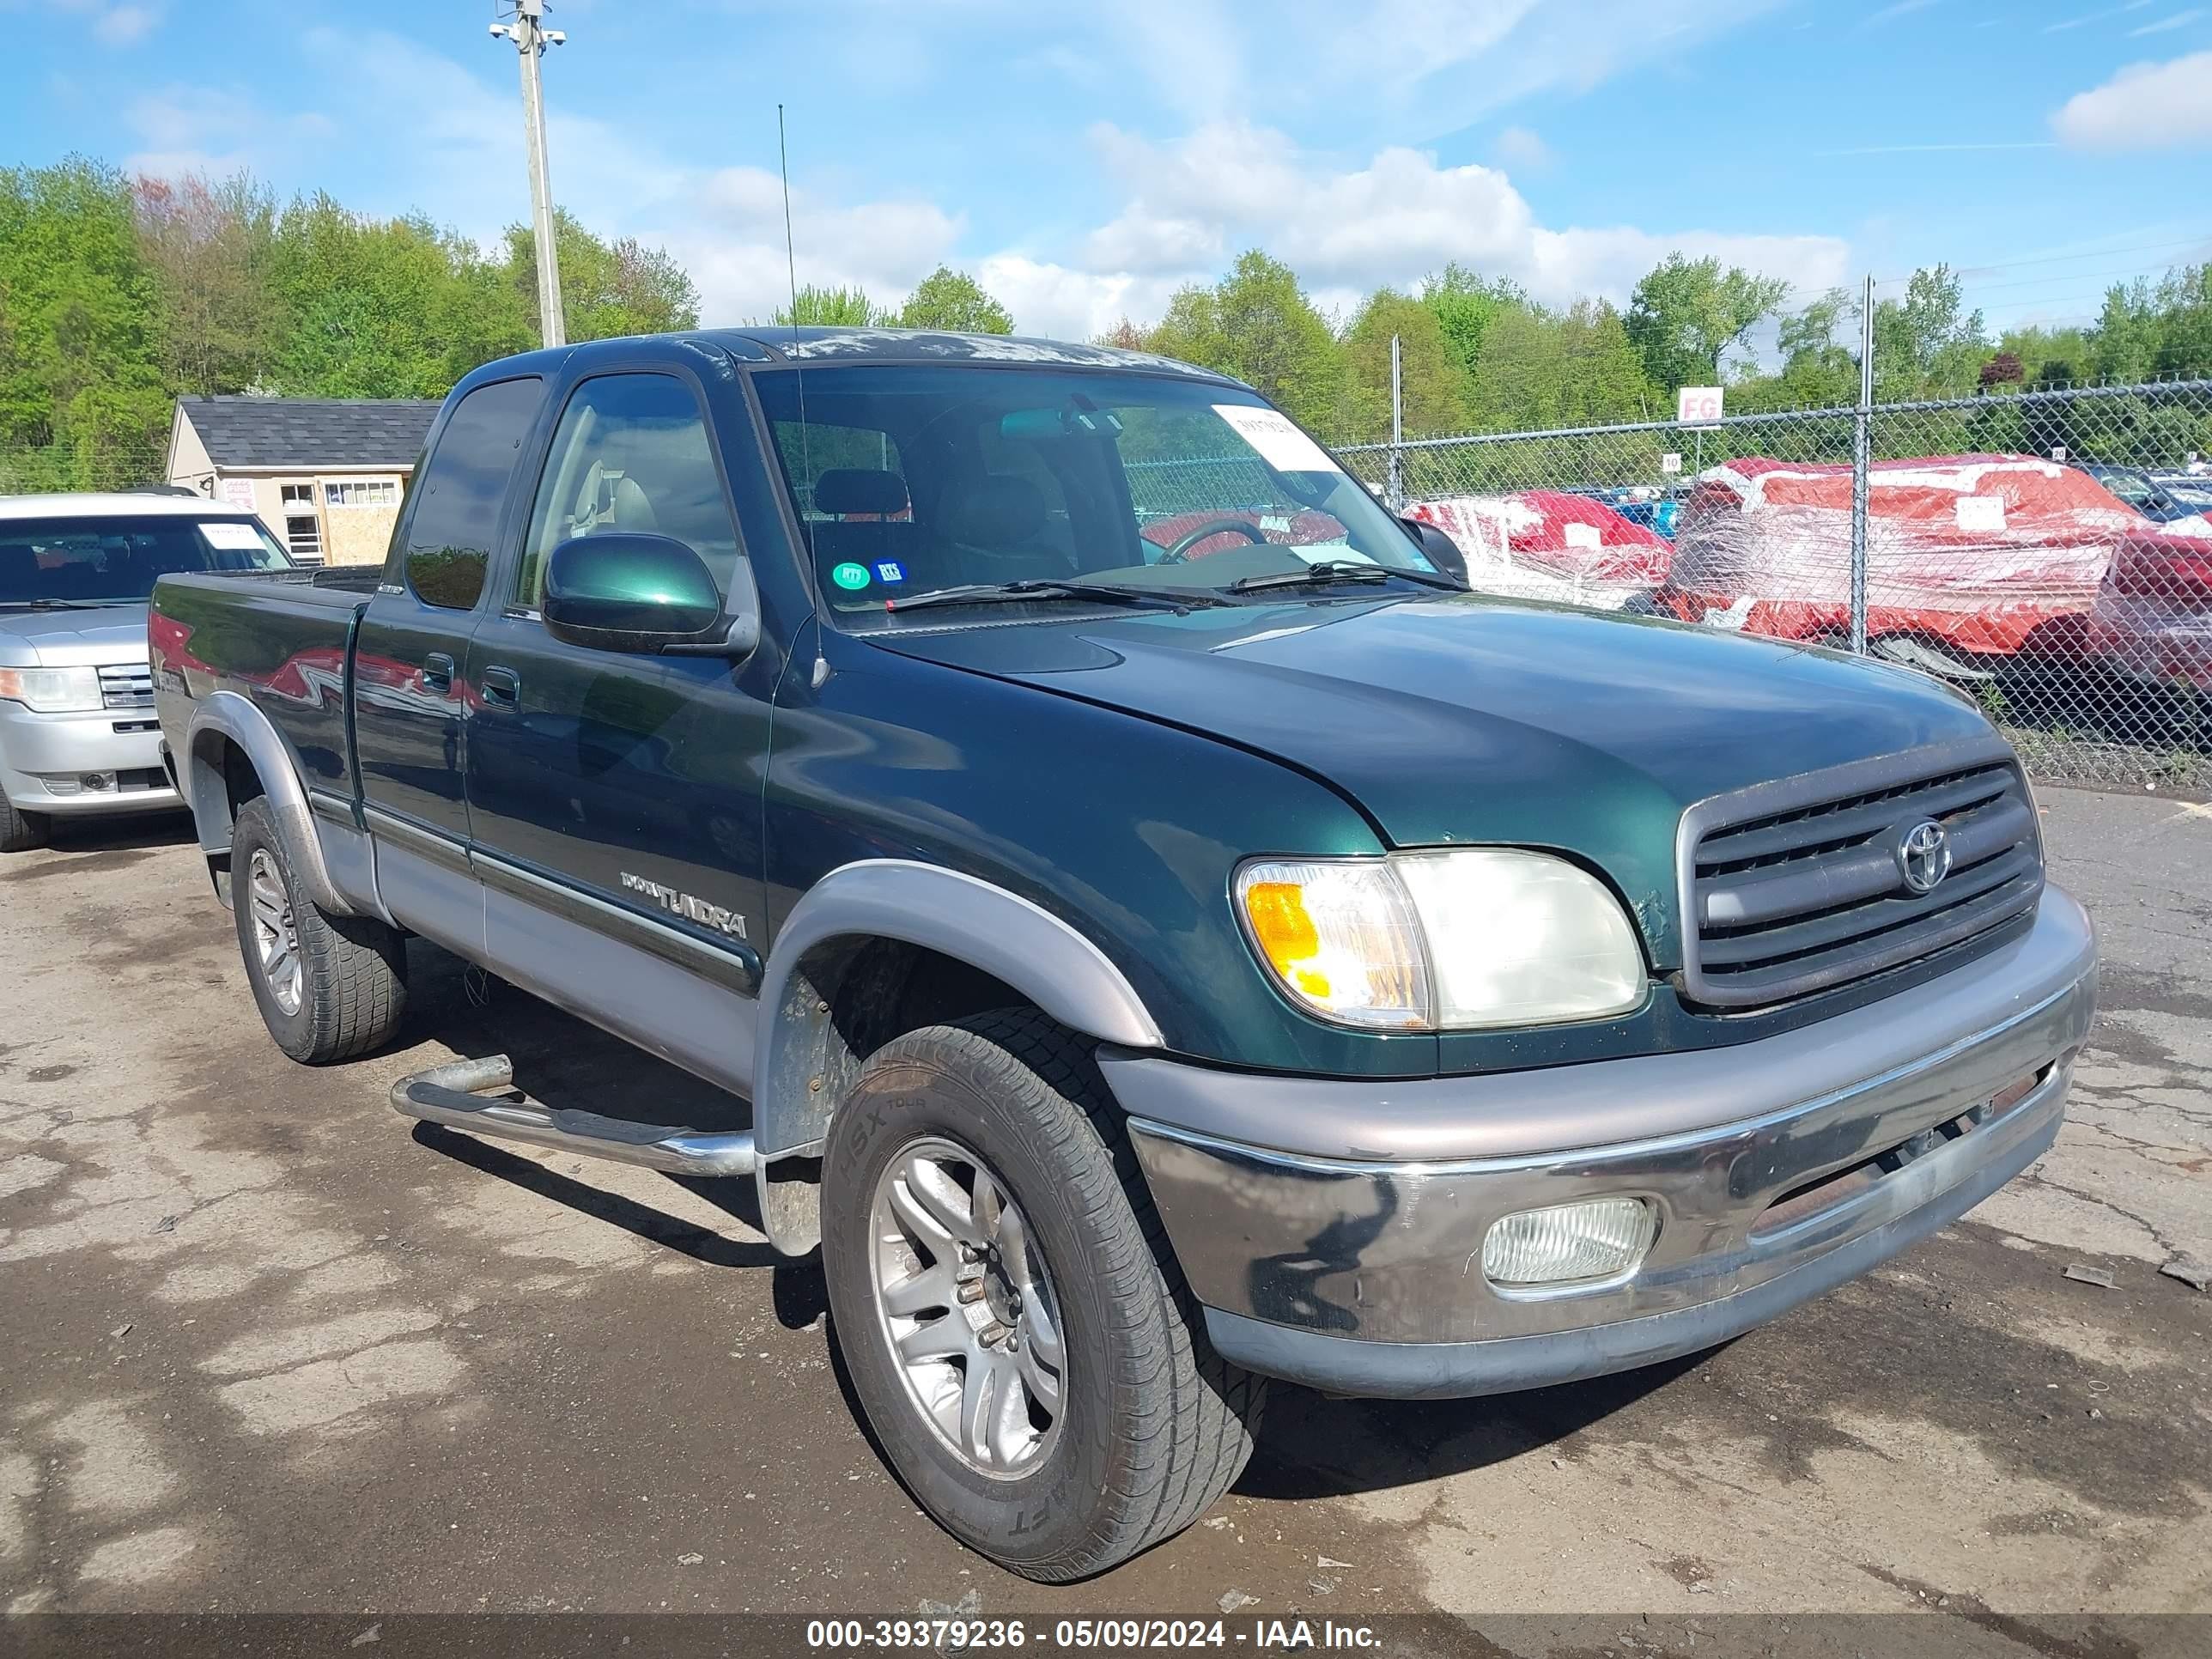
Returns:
(1442, 551)
(626, 592)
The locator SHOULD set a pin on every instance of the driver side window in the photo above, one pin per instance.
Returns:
(632, 454)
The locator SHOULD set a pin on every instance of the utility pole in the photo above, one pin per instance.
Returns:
(531, 38)
(1861, 460)
(1397, 431)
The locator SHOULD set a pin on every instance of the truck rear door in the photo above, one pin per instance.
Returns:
(411, 698)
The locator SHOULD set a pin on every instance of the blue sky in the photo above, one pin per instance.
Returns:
(1086, 160)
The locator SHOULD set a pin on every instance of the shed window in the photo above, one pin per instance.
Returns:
(361, 492)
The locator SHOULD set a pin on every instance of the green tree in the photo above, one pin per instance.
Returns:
(2185, 344)
(81, 379)
(1432, 387)
(1686, 314)
(1927, 345)
(383, 308)
(607, 288)
(955, 303)
(1257, 324)
(211, 249)
(1818, 371)
(832, 307)
(1578, 367)
(1466, 304)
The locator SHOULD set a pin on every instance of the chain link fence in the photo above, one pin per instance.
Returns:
(2048, 552)
(39, 470)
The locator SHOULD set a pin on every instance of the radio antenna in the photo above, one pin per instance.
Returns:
(799, 375)
(790, 272)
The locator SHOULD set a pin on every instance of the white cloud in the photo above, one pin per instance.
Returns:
(732, 241)
(1519, 147)
(2180, 19)
(2144, 106)
(187, 129)
(1192, 206)
(443, 136)
(121, 26)
(116, 24)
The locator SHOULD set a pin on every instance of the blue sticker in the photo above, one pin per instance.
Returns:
(890, 570)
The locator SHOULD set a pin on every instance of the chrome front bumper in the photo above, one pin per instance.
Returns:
(1778, 1168)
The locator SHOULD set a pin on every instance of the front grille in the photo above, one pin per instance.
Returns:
(126, 686)
(1795, 887)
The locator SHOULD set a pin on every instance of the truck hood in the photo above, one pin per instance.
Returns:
(66, 639)
(1458, 717)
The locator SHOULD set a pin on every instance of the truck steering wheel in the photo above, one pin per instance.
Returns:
(1179, 553)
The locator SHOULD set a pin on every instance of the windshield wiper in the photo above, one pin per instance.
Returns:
(62, 605)
(1011, 593)
(1328, 572)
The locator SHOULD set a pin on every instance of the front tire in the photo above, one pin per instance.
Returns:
(329, 988)
(21, 831)
(1011, 1314)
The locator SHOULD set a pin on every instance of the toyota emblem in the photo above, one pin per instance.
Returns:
(1923, 855)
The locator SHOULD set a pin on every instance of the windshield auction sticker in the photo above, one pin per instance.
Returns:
(1281, 444)
(850, 575)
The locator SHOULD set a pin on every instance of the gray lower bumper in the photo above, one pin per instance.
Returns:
(44, 759)
(1364, 1274)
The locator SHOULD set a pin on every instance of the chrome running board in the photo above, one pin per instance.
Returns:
(479, 1096)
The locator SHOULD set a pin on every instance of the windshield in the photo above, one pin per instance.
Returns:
(913, 480)
(114, 561)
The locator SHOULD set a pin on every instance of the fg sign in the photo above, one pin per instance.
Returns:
(1697, 405)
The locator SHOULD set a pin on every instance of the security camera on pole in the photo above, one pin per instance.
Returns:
(531, 38)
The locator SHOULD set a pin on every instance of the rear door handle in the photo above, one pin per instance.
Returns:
(502, 687)
(438, 672)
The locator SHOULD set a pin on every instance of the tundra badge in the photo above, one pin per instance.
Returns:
(683, 905)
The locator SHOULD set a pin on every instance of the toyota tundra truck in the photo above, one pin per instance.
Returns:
(1172, 935)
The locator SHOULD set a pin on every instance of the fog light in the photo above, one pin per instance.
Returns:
(97, 781)
(1597, 1238)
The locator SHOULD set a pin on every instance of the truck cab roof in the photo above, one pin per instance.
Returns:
(769, 345)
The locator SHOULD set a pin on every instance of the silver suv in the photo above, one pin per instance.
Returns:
(77, 732)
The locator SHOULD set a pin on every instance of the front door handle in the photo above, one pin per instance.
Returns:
(502, 687)
(438, 672)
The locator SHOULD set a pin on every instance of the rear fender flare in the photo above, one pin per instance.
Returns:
(999, 932)
(226, 714)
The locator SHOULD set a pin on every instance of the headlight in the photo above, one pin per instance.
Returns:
(52, 690)
(1477, 936)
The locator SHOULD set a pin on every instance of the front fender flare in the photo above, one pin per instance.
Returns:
(999, 932)
(226, 714)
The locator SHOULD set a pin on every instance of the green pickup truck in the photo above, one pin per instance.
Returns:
(1171, 934)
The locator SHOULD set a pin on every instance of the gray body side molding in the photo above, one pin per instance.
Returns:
(227, 715)
(1001, 933)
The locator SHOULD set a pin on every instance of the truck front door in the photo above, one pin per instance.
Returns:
(618, 794)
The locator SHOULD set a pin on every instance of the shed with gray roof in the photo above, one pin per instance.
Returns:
(325, 474)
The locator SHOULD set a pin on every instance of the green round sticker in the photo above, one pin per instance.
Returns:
(850, 575)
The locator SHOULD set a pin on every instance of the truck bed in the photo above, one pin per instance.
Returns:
(282, 640)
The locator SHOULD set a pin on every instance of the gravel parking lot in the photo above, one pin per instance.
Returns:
(271, 1348)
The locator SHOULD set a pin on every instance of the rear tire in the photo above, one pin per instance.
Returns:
(21, 831)
(1148, 1426)
(329, 988)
